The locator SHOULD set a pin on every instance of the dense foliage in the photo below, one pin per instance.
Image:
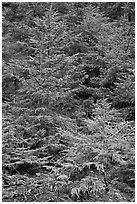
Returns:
(68, 101)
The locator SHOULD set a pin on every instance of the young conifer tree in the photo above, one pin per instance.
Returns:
(50, 69)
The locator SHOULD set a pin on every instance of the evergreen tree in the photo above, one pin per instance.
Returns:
(68, 101)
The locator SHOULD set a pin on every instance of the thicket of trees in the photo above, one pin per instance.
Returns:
(68, 101)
